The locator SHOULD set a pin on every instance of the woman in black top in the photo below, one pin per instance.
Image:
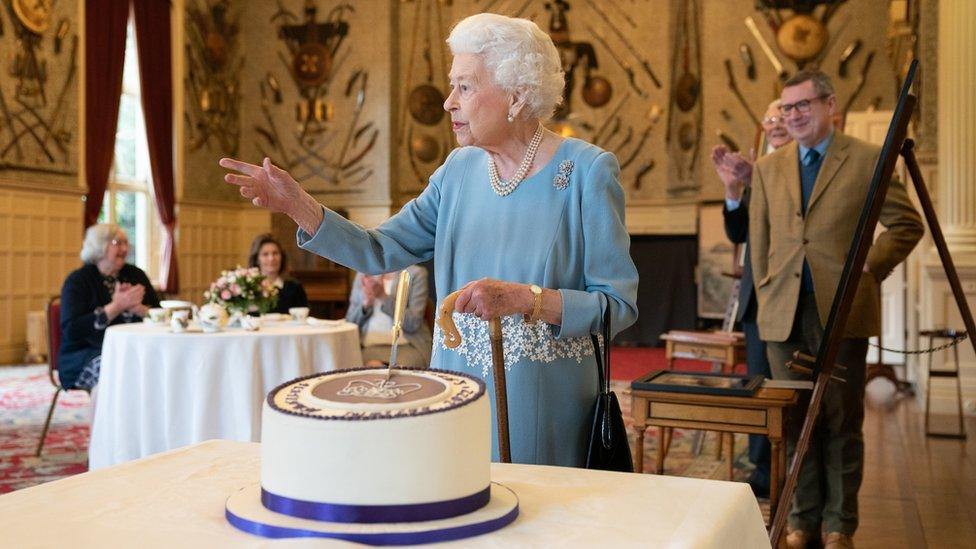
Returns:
(268, 255)
(105, 291)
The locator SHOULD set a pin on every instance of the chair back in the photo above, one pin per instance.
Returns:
(53, 338)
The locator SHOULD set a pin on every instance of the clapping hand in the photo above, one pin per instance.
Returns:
(733, 169)
(373, 289)
(126, 297)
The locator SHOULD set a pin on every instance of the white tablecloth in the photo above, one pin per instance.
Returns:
(177, 499)
(159, 390)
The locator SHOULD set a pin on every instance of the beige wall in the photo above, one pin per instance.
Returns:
(214, 237)
(40, 236)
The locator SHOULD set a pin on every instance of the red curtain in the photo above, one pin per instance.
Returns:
(153, 37)
(105, 22)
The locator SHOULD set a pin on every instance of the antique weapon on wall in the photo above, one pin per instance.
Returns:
(746, 54)
(654, 114)
(729, 142)
(275, 87)
(737, 92)
(623, 39)
(63, 28)
(623, 14)
(846, 55)
(861, 79)
(644, 170)
(766, 48)
(623, 64)
(213, 72)
(610, 118)
(30, 119)
(426, 102)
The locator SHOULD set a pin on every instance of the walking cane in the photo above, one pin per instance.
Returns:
(452, 339)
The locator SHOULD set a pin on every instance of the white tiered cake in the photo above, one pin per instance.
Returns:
(351, 454)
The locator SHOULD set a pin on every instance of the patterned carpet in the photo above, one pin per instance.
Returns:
(25, 394)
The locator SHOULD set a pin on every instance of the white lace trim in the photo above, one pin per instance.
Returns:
(521, 341)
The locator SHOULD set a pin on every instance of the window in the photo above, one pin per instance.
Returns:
(129, 196)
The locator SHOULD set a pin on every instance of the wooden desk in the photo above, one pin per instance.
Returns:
(760, 414)
(723, 348)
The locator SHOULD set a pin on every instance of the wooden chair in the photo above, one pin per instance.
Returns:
(54, 349)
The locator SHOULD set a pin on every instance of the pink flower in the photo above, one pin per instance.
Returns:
(236, 289)
(225, 294)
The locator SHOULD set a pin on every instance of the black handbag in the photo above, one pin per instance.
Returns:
(608, 448)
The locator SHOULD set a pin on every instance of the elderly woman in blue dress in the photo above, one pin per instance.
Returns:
(528, 225)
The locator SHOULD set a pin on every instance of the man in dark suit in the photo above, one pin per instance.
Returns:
(806, 201)
(735, 171)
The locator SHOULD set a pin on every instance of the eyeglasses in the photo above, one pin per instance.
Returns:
(802, 106)
(120, 242)
(771, 120)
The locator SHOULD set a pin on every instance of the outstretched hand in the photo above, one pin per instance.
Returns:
(268, 186)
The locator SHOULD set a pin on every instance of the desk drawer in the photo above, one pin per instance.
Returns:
(706, 414)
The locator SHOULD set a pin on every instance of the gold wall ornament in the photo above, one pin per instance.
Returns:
(33, 14)
(214, 63)
(425, 148)
(311, 65)
(801, 37)
(317, 147)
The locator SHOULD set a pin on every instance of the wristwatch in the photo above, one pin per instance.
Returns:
(537, 306)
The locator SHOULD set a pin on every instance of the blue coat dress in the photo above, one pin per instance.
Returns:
(563, 228)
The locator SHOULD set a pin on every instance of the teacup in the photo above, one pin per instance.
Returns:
(158, 315)
(179, 321)
(250, 323)
(299, 313)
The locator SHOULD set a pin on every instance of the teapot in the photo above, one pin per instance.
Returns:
(212, 317)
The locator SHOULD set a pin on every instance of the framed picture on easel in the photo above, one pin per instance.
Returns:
(716, 259)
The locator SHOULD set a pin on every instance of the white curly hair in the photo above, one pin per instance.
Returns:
(518, 54)
(96, 241)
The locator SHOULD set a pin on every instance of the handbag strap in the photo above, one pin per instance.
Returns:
(603, 358)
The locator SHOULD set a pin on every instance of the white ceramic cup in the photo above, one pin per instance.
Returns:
(179, 321)
(158, 315)
(299, 313)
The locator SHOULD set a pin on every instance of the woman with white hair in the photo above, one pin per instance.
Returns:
(104, 291)
(527, 224)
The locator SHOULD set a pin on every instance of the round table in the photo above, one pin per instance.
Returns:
(160, 390)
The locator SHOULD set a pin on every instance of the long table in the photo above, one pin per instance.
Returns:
(176, 499)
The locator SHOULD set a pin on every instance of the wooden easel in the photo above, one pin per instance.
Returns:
(895, 143)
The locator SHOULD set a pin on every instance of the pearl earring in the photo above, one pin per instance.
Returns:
(510, 118)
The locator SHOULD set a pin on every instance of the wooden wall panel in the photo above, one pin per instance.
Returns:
(214, 237)
(40, 237)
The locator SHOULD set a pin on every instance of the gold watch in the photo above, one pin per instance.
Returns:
(537, 306)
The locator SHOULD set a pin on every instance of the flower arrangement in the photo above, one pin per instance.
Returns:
(243, 290)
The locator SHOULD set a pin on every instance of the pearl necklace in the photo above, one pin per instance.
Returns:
(505, 188)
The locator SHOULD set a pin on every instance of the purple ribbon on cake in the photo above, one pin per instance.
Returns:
(413, 512)
(377, 538)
